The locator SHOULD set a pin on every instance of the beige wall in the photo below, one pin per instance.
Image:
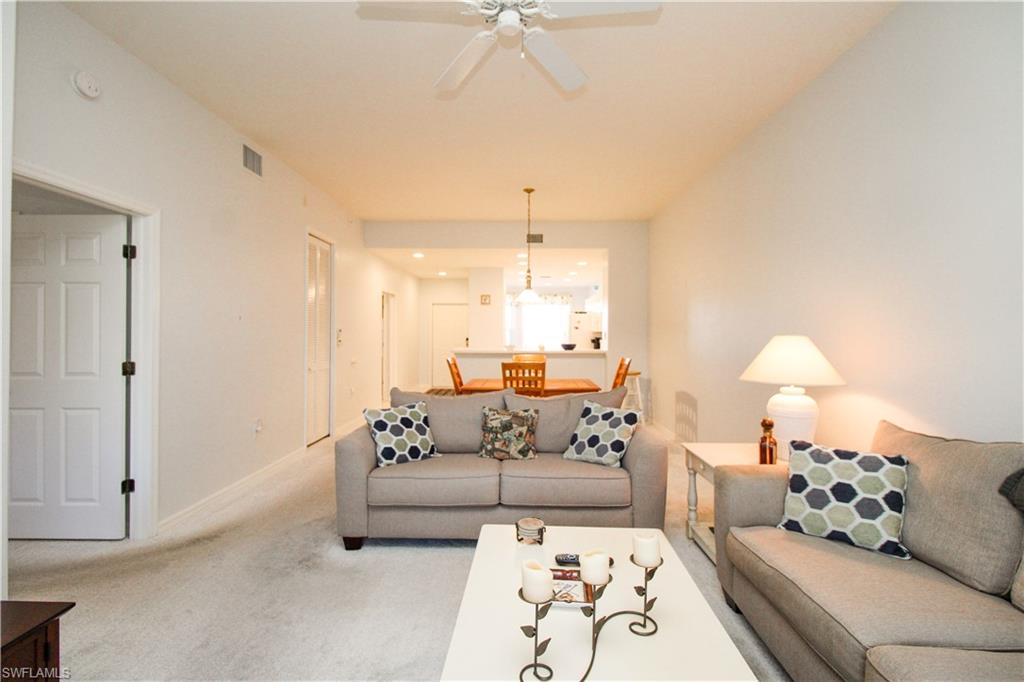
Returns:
(486, 322)
(433, 291)
(878, 212)
(232, 255)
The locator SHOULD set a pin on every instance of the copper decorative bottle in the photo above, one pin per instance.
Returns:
(768, 450)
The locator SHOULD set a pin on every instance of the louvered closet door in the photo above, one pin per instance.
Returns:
(318, 339)
(67, 393)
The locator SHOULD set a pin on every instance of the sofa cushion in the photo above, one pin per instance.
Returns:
(843, 600)
(457, 423)
(846, 496)
(956, 520)
(896, 663)
(461, 480)
(557, 417)
(551, 481)
(1017, 588)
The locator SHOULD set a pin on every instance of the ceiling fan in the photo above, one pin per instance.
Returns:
(516, 17)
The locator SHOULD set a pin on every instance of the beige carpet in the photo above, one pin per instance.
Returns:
(261, 589)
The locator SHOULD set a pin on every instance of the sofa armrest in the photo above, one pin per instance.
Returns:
(646, 460)
(745, 495)
(354, 458)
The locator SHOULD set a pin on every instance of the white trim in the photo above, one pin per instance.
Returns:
(145, 419)
(331, 372)
(228, 494)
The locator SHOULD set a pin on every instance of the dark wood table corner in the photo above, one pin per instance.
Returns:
(31, 638)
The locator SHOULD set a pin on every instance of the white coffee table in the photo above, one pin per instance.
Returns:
(487, 643)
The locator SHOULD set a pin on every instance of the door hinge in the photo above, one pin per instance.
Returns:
(127, 486)
(129, 251)
(128, 368)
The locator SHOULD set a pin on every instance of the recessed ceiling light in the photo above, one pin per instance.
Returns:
(581, 263)
(418, 255)
(572, 274)
(442, 274)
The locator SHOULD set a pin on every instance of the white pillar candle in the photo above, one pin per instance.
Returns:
(594, 567)
(647, 549)
(538, 583)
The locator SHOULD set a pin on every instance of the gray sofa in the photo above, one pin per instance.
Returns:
(827, 610)
(453, 495)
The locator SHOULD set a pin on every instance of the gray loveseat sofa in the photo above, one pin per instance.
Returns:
(832, 611)
(453, 495)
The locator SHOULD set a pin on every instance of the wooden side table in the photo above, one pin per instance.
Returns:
(702, 458)
(31, 638)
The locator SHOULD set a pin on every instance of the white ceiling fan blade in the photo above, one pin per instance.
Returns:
(471, 55)
(566, 10)
(554, 59)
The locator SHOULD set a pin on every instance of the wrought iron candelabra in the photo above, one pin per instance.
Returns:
(642, 628)
(541, 671)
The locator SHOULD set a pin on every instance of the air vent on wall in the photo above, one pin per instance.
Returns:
(252, 160)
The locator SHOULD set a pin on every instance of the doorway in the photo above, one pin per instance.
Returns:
(449, 329)
(388, 345)
(69, 368)
(319, 312)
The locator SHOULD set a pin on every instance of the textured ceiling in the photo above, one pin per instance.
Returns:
(343, 93)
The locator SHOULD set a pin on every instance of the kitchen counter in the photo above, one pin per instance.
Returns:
(485, 363)
(510, 353)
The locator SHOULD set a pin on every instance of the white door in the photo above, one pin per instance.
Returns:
(388, 345)
(449, 330)
(318, 339)
(67, 393)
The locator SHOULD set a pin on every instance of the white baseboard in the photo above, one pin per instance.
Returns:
(222, 496)
(218, 497)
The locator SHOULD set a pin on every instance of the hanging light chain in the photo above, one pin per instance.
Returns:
(529, 243)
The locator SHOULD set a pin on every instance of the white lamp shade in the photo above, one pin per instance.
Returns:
(527, 296)
(792, 360)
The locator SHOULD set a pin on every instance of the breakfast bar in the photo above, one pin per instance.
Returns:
(589, 364)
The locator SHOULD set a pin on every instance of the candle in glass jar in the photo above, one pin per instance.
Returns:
(594, 567)
(538, 583)
(647, 549)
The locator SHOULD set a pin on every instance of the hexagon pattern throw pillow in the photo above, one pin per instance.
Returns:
(401, 434)
(602, 434)
(853, 497)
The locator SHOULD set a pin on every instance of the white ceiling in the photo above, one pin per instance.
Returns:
(344, 95)
(550, 267)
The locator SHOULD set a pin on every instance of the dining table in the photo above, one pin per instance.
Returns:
(551, 386)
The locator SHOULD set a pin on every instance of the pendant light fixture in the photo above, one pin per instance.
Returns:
(528, 295)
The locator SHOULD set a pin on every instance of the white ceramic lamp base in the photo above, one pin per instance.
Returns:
(796, 417)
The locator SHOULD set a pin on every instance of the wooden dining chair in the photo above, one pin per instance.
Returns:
(621, 372)
(527, 378)
(453, 368)
(529, 357)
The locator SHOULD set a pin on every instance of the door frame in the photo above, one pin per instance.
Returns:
(144, 422)
(310, 232)
(388, 343)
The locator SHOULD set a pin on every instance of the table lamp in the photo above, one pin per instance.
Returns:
(792, 362)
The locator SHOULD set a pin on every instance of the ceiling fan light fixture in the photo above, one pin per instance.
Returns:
(509, 22)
